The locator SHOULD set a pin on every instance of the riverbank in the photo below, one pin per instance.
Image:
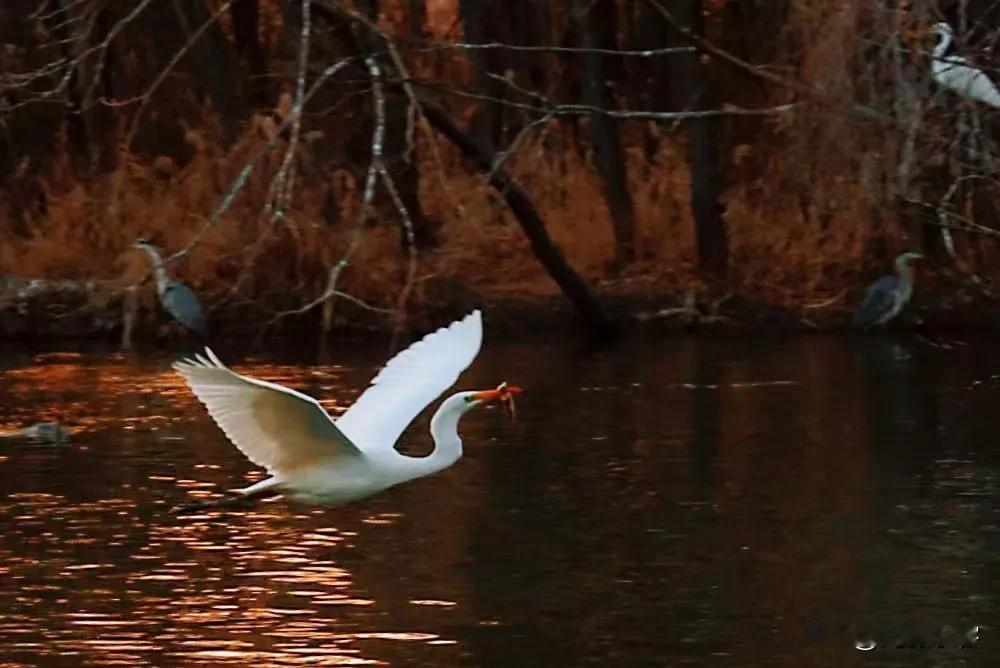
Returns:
(73, 310)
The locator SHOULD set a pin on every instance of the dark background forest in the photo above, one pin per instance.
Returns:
(399, 158)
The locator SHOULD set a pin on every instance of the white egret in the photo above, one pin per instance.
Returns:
(317, 459)
(957, 73)
(888, 295)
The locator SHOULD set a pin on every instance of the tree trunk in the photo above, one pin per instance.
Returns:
(416, 18)
(690, 92)
(76, 123)
(478, 27)
(645, 77)
(572, 284)
(597, 31)
(246, 34)
(291, 16)
(210, 55)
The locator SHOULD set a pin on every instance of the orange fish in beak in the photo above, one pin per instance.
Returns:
(504, 393)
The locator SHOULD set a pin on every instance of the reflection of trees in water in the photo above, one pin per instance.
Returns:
(706, 520)
(904, 426)
(585, 559)
(931, 490)
(538, 555)
(774, 462)
(650, 501)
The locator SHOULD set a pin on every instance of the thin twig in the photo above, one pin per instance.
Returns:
(368, 195)
(492, 46)
(411, 248)
(281, 186)
(415, 103)
(570, 110)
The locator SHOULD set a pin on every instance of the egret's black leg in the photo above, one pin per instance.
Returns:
(237, 501)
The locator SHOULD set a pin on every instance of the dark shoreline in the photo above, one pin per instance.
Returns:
(68, 311)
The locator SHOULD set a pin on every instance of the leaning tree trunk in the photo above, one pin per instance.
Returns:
(576, 289)
(690, 92)
(597, 31)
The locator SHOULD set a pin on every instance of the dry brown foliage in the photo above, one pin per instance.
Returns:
(812, 196)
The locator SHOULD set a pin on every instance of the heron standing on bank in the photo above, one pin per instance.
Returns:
(177, 298)
(958, 75)
(888, 295)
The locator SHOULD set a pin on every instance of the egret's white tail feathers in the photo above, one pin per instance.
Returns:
(259, 487)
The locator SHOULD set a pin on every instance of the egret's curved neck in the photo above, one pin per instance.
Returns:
(158, 270)
(444, 431)
(944, 41)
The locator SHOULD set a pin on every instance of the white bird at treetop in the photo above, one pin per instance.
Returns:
(317, 459)
(957, 73)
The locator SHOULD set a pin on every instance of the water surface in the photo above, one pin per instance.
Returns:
(745, 503)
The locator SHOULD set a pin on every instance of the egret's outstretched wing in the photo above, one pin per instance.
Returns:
(275, 427)
(879, 302)
(410, 381)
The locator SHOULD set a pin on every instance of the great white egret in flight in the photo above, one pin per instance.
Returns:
(317, 459)
(957, 73)
(177, 299)
(888, 295)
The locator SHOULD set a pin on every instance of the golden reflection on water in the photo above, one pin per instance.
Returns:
(647, 509)
(157, 395)
(115, 581)
(245, 590)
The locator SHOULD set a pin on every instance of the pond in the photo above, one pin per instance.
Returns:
(745, 502)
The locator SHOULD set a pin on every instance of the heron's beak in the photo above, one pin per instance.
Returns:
(504, 393)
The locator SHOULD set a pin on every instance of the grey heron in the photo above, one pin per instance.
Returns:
(888, 295)
(957, 73)
(177, 299)
(49, 432)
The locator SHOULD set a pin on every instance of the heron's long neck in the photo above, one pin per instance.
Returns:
(158, 270)
(942, 46)
(905, 277)
(444, 431)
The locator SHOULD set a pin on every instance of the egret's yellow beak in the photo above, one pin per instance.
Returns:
(504, 393)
